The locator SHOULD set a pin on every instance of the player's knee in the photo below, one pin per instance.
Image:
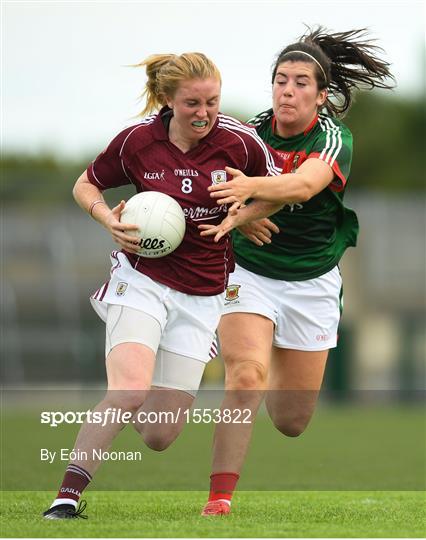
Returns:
(126, 400)
(247, 375)
(291, 426)
(159, 440)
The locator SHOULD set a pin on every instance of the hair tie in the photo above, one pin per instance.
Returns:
(94, 203)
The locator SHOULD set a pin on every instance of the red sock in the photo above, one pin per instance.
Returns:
(222, 486)
(75, 481)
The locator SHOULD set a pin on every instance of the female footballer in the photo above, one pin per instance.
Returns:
(161, 314)
(283, 304)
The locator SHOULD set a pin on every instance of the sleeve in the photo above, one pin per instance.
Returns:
(109, 169)
(262, 160)
(260, 119)
(334, 147)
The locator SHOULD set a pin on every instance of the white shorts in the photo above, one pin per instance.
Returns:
(187, 322)
(306, 313)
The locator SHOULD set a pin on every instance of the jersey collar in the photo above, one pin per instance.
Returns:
(307, 130)
(161, 124)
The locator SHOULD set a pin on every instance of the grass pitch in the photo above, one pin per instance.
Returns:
(255, 514)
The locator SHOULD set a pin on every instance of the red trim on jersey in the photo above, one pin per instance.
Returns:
(337, 184)
(311, 125)
(307, 130)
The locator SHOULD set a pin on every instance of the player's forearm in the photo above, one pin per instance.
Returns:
(86, 194)
(257, 209)
(286, 188)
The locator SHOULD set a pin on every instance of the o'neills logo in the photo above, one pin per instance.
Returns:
(201, 212)
(232, 292)
(185, 172)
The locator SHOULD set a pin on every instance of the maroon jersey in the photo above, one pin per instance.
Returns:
(143, 155)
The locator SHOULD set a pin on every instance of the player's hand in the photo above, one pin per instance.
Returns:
(218, 231)
(119, 230)
(259, 231)
(234, 192)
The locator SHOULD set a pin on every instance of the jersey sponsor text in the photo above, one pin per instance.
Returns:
(202, 213)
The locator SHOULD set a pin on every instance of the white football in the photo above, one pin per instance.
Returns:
(161, 222)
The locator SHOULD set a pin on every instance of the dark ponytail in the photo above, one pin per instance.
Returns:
(344, 61)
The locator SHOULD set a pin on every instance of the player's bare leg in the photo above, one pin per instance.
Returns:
(129, 371)
(295, 380)
(175, 383)
(168, 407)
(246, 341)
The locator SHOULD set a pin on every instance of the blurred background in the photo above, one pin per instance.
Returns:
(68, 89)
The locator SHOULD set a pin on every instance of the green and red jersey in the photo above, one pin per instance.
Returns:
(314, 235)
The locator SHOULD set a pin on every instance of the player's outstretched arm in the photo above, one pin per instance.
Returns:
(90, 199)
(309, 179)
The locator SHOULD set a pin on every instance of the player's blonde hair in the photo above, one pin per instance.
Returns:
(166, 71)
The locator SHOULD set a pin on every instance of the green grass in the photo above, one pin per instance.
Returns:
(255, 514)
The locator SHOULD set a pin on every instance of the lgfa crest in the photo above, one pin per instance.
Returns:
(218, 177)
(232, 292)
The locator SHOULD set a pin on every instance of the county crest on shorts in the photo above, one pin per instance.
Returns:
(232, 292)
(218, 177)
(121, 288)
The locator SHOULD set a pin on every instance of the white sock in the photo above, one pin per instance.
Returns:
(57, 502)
